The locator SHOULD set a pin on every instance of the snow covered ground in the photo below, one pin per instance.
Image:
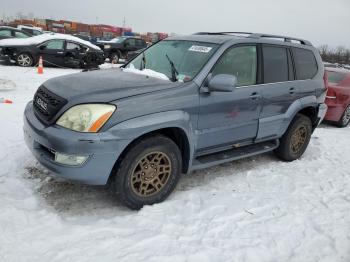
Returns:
(257, 209)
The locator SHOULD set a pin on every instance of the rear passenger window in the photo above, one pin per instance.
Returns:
(275, 64)
(305, 63)
(240, 62)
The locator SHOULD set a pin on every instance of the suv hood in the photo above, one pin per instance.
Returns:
(105, 85)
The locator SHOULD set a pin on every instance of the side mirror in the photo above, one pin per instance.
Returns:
(222, 83)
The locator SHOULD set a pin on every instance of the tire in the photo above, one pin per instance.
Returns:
(24, 60)
(138, 182)
(296, 139)
(345, 118)
(114, 57)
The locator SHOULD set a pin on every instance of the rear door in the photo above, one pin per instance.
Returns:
(279, 90)
(53, 52)
(74, 54)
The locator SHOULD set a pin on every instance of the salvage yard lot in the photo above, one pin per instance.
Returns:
(257, 209)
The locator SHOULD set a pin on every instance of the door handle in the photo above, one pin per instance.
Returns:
(60, 53)
(255, 96)
(292, 90)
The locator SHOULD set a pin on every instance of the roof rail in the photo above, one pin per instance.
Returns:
(285, 38)
(258, 35)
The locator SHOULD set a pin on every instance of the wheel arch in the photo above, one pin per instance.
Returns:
(177, 134)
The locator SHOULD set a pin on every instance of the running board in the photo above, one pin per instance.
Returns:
(206, 161)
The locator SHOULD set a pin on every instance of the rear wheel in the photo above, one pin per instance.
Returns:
(345, 119)
(296, 139)
(148, 173)
(24, 60)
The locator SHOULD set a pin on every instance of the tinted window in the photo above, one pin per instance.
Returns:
(275, 64)
(335, 77)
(72, 46)
(5, 33)
(305, 63)
(132, 42)
(20, 35)
(240, 62)
(55, 44)
(139, 42)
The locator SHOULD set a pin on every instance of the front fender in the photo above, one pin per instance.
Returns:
(136, 127)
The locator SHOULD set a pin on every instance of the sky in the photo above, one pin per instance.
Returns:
(319, 21)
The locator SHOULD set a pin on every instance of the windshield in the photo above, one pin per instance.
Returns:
(177, 59)
(118, 39)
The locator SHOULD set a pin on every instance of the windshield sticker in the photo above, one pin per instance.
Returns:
(201, 49)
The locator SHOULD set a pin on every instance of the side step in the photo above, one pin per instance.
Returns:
(206, 161)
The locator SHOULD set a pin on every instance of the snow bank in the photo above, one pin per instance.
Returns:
(34, 40)
(257, 209)
(146, 72)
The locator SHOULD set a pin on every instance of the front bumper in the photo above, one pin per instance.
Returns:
(103, 150)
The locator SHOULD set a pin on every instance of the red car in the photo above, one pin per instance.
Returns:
(338, 96)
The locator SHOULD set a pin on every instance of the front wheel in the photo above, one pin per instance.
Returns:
(24, 60)
(296, 139)
(345, 119)
(148, 173)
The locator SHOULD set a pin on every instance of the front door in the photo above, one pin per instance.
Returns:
(231, 117)
(53, 52)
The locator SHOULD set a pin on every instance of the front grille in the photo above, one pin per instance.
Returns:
(47, 104)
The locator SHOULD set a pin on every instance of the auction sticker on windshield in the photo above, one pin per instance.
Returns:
(201, 49)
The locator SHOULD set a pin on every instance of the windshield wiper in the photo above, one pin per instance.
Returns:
(174, 72)
(143, 61)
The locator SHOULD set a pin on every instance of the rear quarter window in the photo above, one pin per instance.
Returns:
(305, 63)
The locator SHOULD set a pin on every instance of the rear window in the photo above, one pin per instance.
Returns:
(305, 63)
(275, 64)
(335, 77)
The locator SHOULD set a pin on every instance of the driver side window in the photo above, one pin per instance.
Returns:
(241, 62)
(55, 45)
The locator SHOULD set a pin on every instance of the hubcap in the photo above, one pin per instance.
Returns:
(346, 117)
(151, 174)
(24, 60)
(298, 139)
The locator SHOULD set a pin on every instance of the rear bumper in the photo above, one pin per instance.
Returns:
(322, 110)
(335, 112)
(102, 149)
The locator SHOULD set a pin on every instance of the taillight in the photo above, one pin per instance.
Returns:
(325, 80)
(331, 94)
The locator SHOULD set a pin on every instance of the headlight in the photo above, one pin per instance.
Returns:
(86, 118)
(107, 46)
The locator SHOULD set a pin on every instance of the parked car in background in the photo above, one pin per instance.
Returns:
(11, 32)
(338, 96)
(55, 49)
(132, 54)
(187, 103)
(33, 31)
(119, 47)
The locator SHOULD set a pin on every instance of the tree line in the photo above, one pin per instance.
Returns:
(340, 55)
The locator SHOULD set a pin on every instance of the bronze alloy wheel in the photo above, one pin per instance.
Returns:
(298, 139)
(151, 174)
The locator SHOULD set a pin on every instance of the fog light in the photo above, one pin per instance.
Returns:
(70, 160)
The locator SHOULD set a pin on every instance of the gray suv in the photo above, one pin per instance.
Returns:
(185, 103)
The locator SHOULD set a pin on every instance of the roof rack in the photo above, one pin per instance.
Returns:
(258, 35)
